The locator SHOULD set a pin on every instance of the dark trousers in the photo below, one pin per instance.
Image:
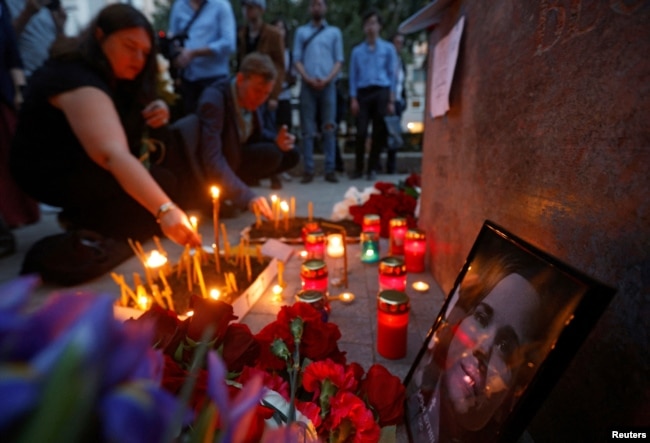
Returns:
(373, 101)
(264, 159)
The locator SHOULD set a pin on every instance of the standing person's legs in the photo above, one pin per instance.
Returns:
(328, 129)
(308, 101)
(191, 91)
(391, 154)
(362, 133)
(378, 104)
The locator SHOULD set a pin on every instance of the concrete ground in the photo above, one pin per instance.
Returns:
(357, 321)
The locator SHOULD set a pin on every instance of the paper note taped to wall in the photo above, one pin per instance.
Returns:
(445, 55)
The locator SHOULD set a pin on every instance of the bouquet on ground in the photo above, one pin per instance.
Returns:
(304, 383)
(391, 201)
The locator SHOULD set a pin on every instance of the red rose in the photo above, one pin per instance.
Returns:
(385, 393)
(319, 341)
(239, 347)
(174, 377)
(165, 324)
(266, 337)
(209, 312)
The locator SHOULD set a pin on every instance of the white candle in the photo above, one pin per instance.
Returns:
(335, 247)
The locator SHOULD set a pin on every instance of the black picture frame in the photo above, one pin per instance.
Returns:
(504, 335)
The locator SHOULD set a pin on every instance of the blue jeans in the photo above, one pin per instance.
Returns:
(325, 101)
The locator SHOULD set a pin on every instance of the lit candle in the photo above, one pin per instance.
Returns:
(392, 323)
(313, 275)
(284, 206)
(215, 221)
(315, 245)
(335, 245)
(346, 297)
(277, 293)
(415, 248)
(281, 282)
(310, 211)
(194, 222)
(369, 247)
(292, 207)
(371, 223)
(397, 230)
(156, 260)
(274, 210)
(420, 286)
(392, 274)
(215, 294)
(144, 302)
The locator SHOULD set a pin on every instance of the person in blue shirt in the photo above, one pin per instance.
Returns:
(318, 58)
(211, 40)
(373, 64)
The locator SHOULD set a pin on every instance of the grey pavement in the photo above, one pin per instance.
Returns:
(357, 321)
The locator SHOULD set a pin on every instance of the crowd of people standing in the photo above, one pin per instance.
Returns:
(108, 73)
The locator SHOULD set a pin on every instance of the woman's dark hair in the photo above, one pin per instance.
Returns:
(87, 47)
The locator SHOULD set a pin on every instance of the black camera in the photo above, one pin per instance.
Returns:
(53, 5)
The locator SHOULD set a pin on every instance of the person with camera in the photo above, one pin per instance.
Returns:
(204, 34)
(37, 23)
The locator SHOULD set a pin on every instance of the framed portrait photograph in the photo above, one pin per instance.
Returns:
(507, 330)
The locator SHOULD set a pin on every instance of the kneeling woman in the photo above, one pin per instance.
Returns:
(79, 133)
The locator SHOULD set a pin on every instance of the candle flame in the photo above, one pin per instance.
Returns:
(421, 286)
(274, 198)
(277, 289)
(194, 221)
(156, 259)
(189, 313)
(284, 206)
(215, 294)
(215, 192)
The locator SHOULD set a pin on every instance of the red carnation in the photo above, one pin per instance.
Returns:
(360, 425)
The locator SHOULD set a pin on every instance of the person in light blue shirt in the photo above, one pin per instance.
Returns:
(373, 64)
(211, 40)
(318, 58)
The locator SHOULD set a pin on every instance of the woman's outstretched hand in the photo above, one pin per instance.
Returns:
(176, 226)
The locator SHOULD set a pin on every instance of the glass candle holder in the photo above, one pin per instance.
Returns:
(308, 227)
(397, 231)
(315, 245)
(336, 259)
(371, 223)
(392, 274)
(317, 299)
(313, 275)
(415, 249)
(369, 247)
(392, 323)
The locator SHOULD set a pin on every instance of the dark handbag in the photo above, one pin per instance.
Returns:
(170, 47)
(394, 140)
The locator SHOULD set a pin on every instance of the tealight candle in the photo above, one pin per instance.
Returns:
(313, 275)
(335, 247)
(420, 286)
(369, 247)
(308, 227)
(397, 230)
(346, 297)
(392, 323)
(415, 248)
(392, 274)
(336, 253)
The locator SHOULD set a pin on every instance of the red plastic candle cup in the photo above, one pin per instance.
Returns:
(315, 245)
(397, 231)
(317, 299)
(392, 274)
(392, 323)
(313, 275)
(371, 223)
(415, 250)
(308, 227)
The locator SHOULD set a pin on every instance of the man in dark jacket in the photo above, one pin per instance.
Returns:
(236, 149)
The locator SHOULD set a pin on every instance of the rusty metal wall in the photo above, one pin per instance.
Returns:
(549, 136)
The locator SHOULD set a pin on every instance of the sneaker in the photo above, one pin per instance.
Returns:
(331, 177)
(307, 178)
(275, 182)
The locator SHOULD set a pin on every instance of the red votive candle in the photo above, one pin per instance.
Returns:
(392, 323)
(371, 223)
(308, 227)
(415, 249)
(313, 275)
(397, 230)
(315, 245)
(392, 274)
(317, 299)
